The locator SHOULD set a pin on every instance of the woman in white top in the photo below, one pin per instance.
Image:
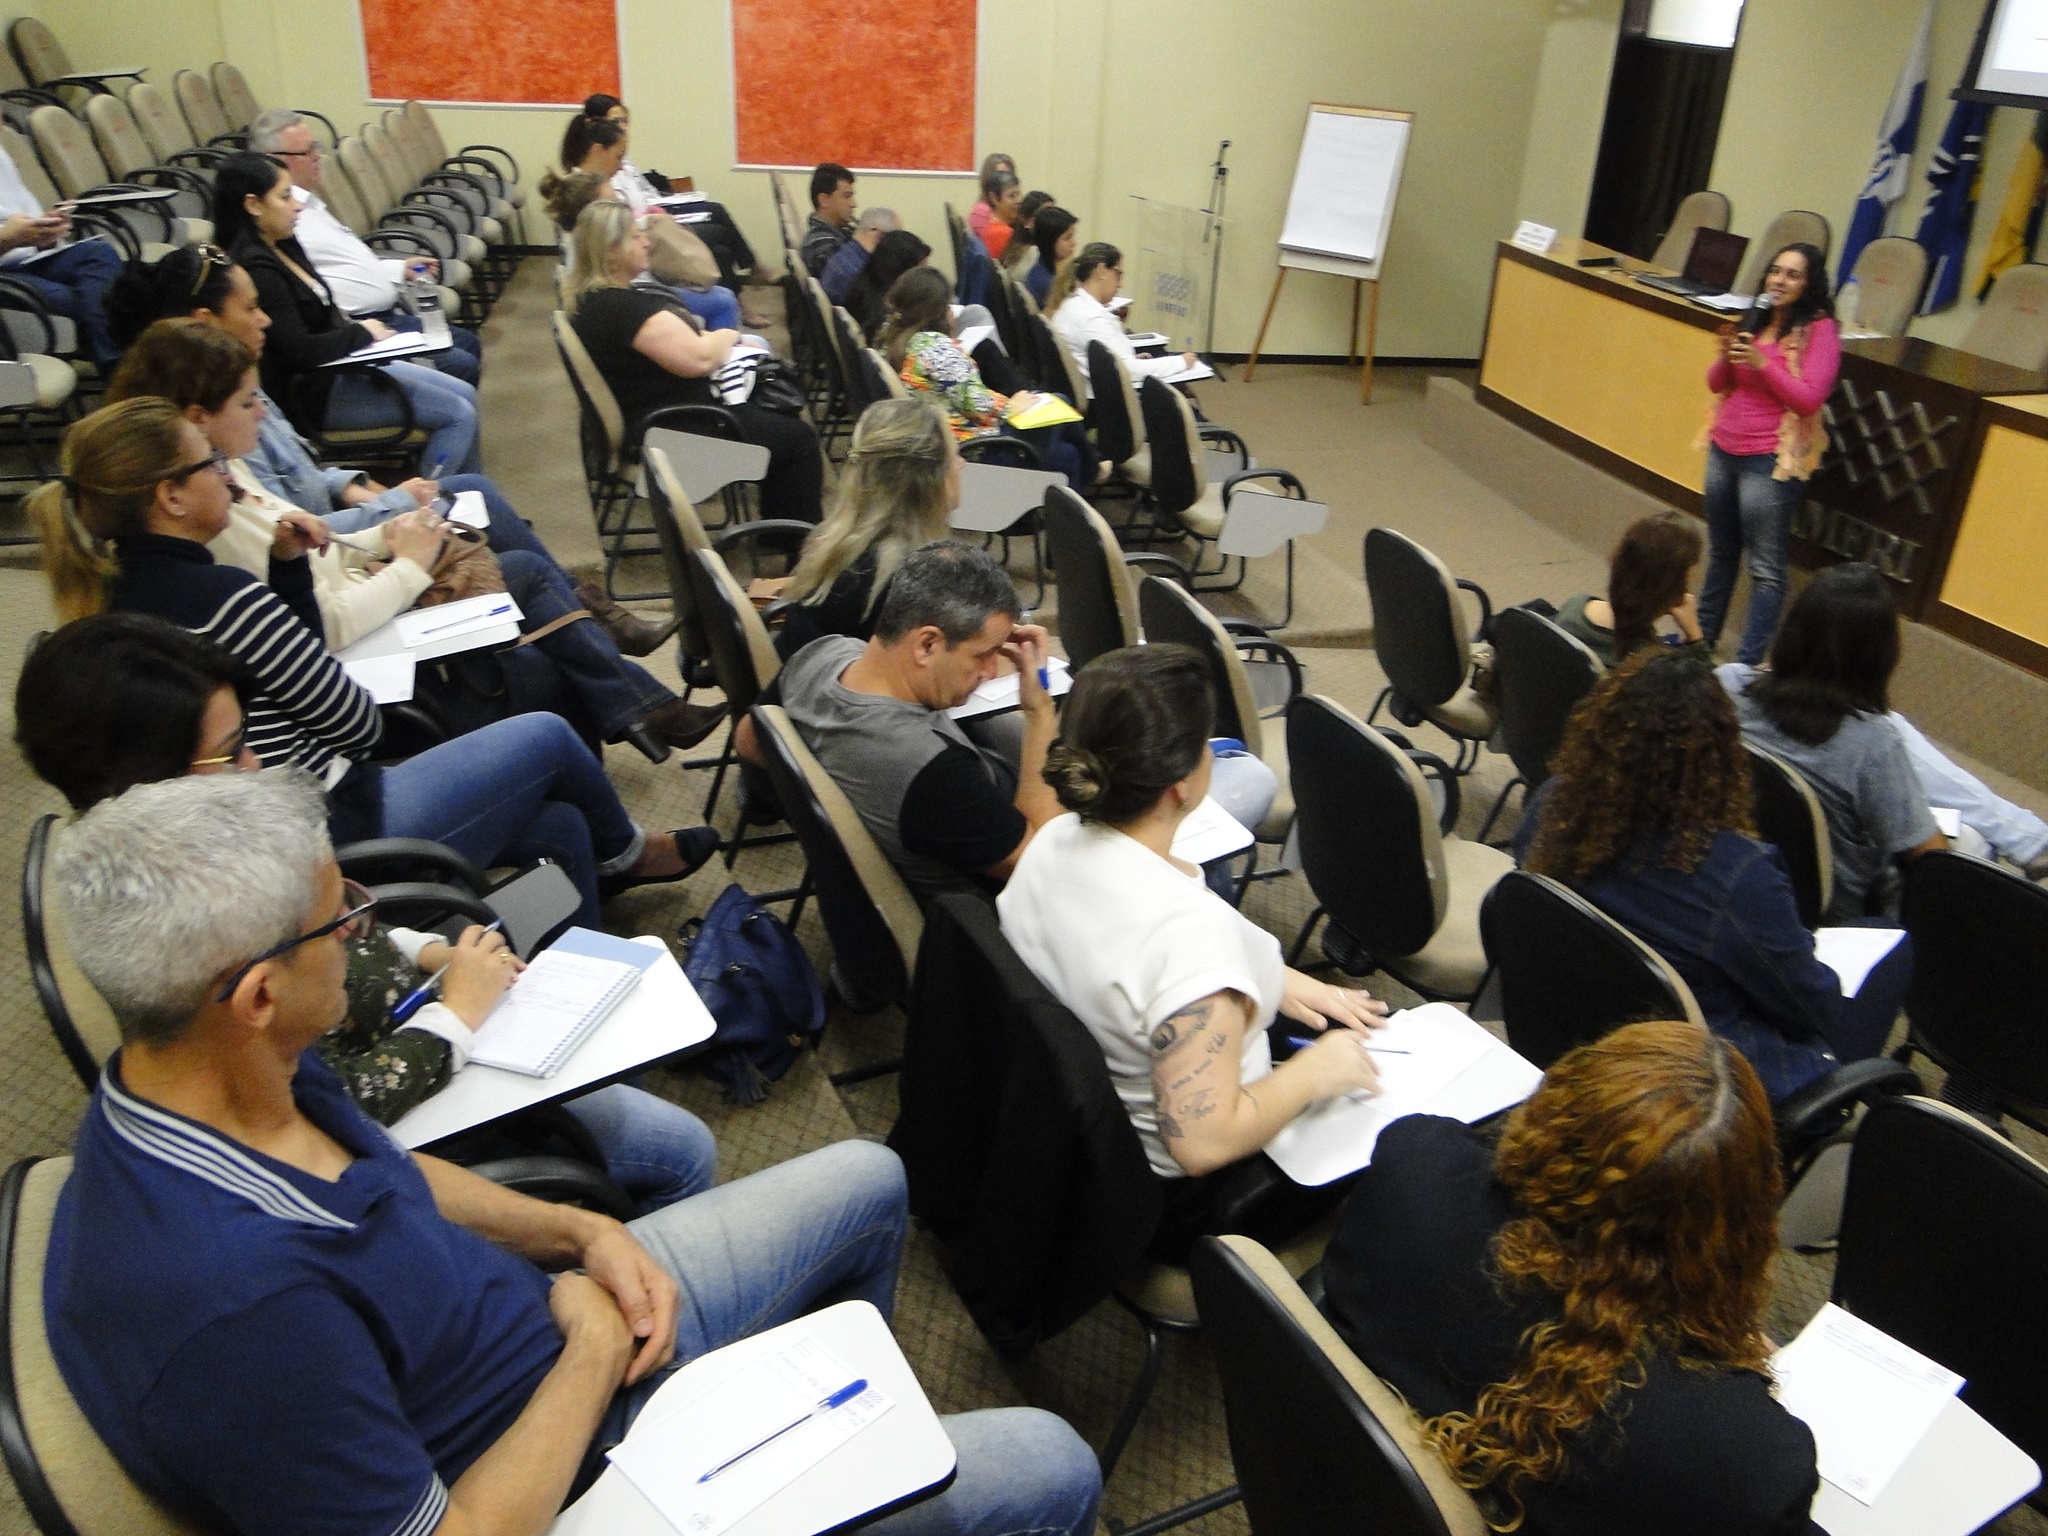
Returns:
(1175, 984)
(1079, 306)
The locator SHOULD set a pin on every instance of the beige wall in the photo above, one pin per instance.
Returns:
(1571, 101)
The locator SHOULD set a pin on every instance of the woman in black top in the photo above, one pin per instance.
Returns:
(255, 209)
(1577, 1315)
(652, 355)
(868, 300)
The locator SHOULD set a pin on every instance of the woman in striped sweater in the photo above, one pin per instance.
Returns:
(126, 529)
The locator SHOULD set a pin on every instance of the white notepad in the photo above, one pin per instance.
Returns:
(1868, 1399)
(558, 1001)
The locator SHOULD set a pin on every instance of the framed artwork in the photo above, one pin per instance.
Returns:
(482, 53)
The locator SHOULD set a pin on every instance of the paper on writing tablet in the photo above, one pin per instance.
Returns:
(1868, 1399)
(1001, 692)
(1209, 832)
(1851, 953)
(449, 621)
(550, 1010)
(388, 678)
(469, 510)
(1949, 821)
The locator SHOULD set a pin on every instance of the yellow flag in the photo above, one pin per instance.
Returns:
(2019, 220)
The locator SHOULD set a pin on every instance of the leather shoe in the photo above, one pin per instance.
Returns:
(633, 635)
(695, 844)
(683, 725)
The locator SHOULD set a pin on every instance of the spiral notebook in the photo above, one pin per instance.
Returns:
(559, 1000)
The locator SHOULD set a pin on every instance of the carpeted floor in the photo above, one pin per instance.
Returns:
(1372, 468)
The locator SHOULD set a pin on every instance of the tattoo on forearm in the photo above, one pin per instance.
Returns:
(1169, 1128)
(1192, 1020)
(1200, 1104)
(1216, 1044)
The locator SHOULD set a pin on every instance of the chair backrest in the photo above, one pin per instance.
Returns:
(1890, 272)
(339, 193)
(37, 50)
(787, 218)
(79, 1017)
(869, 914)
(375, 194)
(63, 1470)
(1979, 994)
(1097, 610)
(881, 376)
(1794, 226)
(1119, 423)
(1698, 211)
(679, 531)
(1169, 613)
(1180, 475)
(388, 158)
(203, 114)
(429, 131)
(1321, 1446)
(161, 125)
(67, 149)
(1370, 848)
(12, 77)
(121, 143)
(1789, 816)
(1944, 1240)
(2012, 324)
(29, 164)
(1418, 623)
(237, 102)
(404, 132)
(592, 392)
(1539, 675)
(1568, 972)
(742, 653)
(1052, 346)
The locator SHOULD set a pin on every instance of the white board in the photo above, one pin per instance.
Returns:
(1345, 180)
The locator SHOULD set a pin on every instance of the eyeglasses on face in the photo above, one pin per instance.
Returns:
(359, 921)
(235, 744)
(217, 461)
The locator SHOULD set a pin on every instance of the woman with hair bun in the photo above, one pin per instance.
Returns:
(1577, 1316)
(1175, 984)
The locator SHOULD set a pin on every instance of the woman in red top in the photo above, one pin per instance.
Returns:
(1766, 440)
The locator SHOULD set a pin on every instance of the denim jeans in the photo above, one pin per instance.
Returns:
(655, 1151)
(1747, 512)
(827, 1228)
(463, 360)
(617, 693)
(73, 281)
(444, 406)
(718, 308)
(521, 788)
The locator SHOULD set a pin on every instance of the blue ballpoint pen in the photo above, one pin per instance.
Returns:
(1303, 1042)
(423, 994)
(839, 1399)
(439, 465)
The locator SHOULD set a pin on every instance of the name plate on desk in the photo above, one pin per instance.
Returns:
(1531, 236)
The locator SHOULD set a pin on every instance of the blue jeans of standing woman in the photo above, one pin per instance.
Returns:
(445, 407)
(1748, 512)
(617, 693)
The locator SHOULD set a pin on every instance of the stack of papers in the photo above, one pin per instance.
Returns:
(1051, 411)
(1851, 953)
(1731, 303)
(1000, 693)
(403, 344)
(389, 678)
(1868, 1399)
(1187, 375)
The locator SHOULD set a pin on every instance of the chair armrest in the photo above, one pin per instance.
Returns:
(1210, 432)
(695, 418)
(769, 529)
(333, 137)
(992, 450)
(1817, 1110)
(385, 383)
(489, 149)
(410, 241)
(559, 1181)
(90, 224)
(398, 857)
(1263, 648)
(1168, 567)
(1485, 630)
(1432, 767)
(182, 178)
(1286, 477)
(427, 904)
(234, 140)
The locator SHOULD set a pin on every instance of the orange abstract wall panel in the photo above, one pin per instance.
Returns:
(551, 54)
(879, 85)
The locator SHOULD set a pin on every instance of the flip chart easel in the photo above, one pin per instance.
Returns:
(1340, 211)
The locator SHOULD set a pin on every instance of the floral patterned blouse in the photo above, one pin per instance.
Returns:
(933, 362)
(386, 1071)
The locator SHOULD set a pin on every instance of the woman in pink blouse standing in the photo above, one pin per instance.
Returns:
(1765, 439)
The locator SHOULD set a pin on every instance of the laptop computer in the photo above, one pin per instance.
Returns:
(1710, 266)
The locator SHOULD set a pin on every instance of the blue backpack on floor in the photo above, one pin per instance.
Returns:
(761, 990)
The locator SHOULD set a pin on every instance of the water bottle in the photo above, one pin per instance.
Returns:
(423, 298)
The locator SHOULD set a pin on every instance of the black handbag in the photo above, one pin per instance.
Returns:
(776, 388)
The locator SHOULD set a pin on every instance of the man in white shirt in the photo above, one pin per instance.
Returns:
(71, 276)
(1085, 316)
(362, 282)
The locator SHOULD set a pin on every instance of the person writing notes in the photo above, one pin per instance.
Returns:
(1079, 305)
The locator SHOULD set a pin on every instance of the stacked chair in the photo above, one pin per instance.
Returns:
(77, 169)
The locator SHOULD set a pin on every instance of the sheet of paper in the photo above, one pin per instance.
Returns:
(1142, 339)
(1209, 832)
(1119, 304)
(469, 510)
(1868, 1399)
(1000, 693)
(1731, 302)
(670, 1449)
(1444, 1047)
(403, 344)
(389, 678)
(1851, 952)
(545, 1007)
(1950, 821)
(973, 337)
(1187, 375)
(450, 620)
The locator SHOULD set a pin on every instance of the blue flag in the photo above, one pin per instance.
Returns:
(1954, 179)
(1886, 183)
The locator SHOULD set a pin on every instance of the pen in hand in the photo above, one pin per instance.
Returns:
(1303, 1042)
(839, 1399)
(423, 994)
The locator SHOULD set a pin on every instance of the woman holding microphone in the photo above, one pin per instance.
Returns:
(1765, 438)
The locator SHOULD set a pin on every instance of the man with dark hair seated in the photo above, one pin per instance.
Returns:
(279, 1320)
(832, 211)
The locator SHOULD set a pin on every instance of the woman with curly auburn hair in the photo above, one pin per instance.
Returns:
(1646, 815)
(1577, 1316)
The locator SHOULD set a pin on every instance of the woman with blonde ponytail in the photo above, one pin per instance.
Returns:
(114, 477)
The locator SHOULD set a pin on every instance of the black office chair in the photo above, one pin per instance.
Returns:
(1420, 640)
(1978, 1002)
(1539, 675)
(1944, 1242)
(1790, 818)
(1097, 611)
(744, 660)
(1321, 1445)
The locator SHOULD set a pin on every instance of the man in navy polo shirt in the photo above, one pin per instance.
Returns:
(278, 1319)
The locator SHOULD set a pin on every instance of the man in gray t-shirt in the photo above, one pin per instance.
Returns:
(1865, 782)
(947, 814)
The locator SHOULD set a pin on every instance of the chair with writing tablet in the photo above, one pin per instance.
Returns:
(1321, 1445)
(1098, 611)
(744, 660)
(1698, 210)
(1795, 226)
(1116, 416)
(1790, 817)
(1885, 287)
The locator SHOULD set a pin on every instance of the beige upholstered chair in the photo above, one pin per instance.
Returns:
(167, 133)
(42, 57)
(496, 166)
(237, 102)
(1699, 210)
(888, 377)
(1887, 281)
(75, 165)
(203, 114)
(1792, 227)
(79, 1017)
(2012, 325)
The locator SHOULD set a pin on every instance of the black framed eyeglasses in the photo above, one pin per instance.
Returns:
(211, 259)
(217, 461)
(358, 922)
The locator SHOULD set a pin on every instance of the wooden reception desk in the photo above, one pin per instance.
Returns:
(1590, 360)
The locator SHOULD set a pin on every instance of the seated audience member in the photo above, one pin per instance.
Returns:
(1821, 706)
(1176, 985)
(712, 224)
(427, 1373)
(126, 530)
(832, 216)
(851, 259)
(1648, 578)
(122, 699)
(190, 284)
(918, 341)
(948, 814)
(567, 197)
(361, 581)
(1001, 194)
(1079, 303)
(1577, 1314)
(900, 482)
(652, 355)
(1647, 815)
(868, 300)
(254, 215)
(1054, 236)
(1022, 245)
(979, 215)
(364, 284)
(70, 276)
